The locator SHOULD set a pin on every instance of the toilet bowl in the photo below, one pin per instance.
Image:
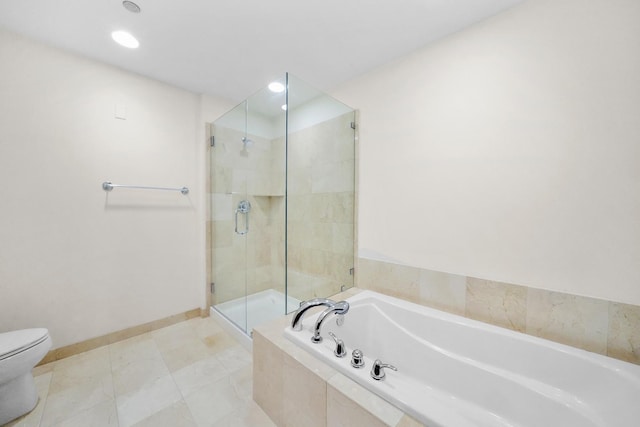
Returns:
(20, 351)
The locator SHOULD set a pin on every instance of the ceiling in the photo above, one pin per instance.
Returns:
(232, 48)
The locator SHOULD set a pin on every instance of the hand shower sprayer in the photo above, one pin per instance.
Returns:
(244, 207)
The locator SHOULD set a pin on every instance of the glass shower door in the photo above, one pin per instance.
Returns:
(283, 202)
(230, 212)
(248, 210)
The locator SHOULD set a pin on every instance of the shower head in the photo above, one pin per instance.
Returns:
(247, 142)
(131, 6)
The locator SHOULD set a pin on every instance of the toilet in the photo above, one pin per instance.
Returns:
(20, 351)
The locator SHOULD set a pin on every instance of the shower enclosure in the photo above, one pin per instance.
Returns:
(282, 169)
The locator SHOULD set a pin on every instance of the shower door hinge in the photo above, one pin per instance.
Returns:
(351, 270)
(353, 125)
(213, 288)
(212, 141)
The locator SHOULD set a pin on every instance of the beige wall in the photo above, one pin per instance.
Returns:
(73, 258)
(510, 151)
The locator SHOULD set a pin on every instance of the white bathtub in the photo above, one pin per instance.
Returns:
(457, 372)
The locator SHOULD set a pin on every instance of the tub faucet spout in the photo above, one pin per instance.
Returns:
(339, 308)
(296, 321)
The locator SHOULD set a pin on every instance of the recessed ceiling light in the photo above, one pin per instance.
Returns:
(131, 6)
(125, 39)
(284, 107)
(276, 87)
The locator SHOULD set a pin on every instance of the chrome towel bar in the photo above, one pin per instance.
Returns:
(108, 186)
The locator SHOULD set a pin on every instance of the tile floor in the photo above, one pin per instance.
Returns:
(188, 374)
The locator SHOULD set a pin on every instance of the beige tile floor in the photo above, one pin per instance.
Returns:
(188, 374)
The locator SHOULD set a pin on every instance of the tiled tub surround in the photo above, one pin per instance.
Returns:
(600, 326)
(517, 379)
(296, 389)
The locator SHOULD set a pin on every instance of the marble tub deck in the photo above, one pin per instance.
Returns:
(296, 389)
(188, 374)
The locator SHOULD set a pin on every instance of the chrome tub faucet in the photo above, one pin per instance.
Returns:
(296, 321)
(339, 308)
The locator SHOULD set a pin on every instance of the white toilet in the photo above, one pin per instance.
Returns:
(20, 351)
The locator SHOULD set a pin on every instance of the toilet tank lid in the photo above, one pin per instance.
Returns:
(16, 341)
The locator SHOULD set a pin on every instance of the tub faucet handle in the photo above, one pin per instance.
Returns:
(339, 351)
(377, 371)
(357, 359)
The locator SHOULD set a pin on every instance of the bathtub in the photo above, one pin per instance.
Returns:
(457, 372)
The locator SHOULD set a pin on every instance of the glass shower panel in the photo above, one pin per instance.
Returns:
(283, 201)
(320, 193)
(265, 152)
(229, 190)
(248, 174)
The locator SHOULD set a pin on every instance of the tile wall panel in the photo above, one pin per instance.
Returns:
(591, 324)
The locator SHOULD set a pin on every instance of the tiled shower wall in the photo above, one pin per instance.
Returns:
(320, 228)
(320, 231)
(600, 326)
(257, 175)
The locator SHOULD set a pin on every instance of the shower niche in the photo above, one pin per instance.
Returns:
(282, 170)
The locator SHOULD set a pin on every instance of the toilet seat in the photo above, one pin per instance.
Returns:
(14, 342)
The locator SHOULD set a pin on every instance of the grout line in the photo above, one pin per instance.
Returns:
(44, 402)
(113, 385)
